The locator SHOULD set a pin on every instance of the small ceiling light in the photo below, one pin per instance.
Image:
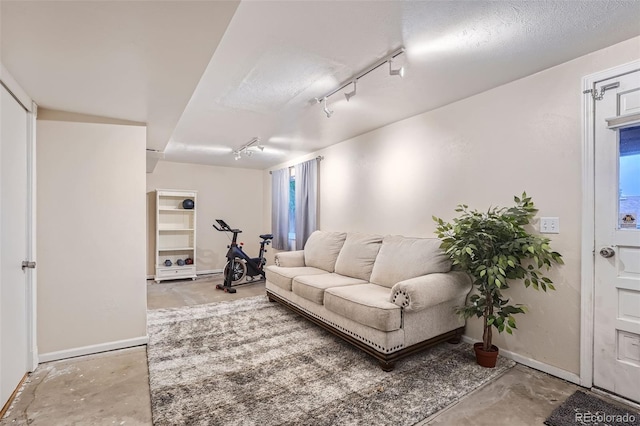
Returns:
(261, 147)
(351, 94)
(327, 110)
(399, 71)
(249, 153)
(238, 156)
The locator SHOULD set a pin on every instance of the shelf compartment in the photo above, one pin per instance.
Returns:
(173, 255)
(174, 202)
(175, 239)
(181, 219)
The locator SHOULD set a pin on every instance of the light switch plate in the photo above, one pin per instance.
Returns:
(549, 225)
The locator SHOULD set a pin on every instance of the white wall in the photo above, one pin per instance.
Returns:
(91, 237)
(480, 151)
(234, 195)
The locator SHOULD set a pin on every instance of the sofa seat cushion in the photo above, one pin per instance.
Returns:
(366, 304)
(358, 255)
(283, 276)
(402, 258)
(312, 287)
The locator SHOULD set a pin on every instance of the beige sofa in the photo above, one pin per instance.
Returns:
(390, 296)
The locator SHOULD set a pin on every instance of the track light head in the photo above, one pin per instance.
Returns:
(327, 110)
(399, 71)
(351, 94)
(244, 149)
(354, 78)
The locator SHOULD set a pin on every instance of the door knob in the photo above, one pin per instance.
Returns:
(607, 252)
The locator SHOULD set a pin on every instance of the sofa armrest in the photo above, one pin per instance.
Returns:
(290, 259)
(422, 292)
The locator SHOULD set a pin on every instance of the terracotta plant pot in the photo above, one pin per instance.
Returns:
(486, 358)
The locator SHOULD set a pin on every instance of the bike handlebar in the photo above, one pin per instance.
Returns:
(224, 227)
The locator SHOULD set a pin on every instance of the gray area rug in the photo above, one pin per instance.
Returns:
(585, 409)
(251, 362)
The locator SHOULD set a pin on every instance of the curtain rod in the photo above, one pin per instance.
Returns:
(319, 158)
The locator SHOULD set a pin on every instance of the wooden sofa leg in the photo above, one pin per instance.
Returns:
(457, 338)
(386, 365)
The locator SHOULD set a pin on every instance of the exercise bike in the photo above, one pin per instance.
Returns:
(239, 264)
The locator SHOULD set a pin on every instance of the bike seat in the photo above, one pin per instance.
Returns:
(266, 236)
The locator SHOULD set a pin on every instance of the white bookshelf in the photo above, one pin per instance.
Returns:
(175, 234)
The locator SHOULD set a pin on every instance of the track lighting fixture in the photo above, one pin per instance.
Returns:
(327, 110)
(399, 71)
(351, 94)
(354, 80)
(244, 149)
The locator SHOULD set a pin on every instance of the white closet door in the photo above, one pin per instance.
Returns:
(13, 245)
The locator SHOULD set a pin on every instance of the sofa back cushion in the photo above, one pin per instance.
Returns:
(322, 249)
(358, 254)
(401, 258)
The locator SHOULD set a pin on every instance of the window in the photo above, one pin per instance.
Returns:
(294, 201)
(629, 178)
(292, 208)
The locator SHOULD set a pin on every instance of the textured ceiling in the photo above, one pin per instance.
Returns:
(207, 77)
(130, 60)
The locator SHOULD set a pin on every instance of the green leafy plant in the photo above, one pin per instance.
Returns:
(495, 249)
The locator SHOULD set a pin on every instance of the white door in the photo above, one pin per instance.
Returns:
(13, 245)
(617, 237)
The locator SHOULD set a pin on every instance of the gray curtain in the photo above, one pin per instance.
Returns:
(306, 201)
(280, 209)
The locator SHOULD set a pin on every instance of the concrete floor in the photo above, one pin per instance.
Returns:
(113, 388)
(173, 294)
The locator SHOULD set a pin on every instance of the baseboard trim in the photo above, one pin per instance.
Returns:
(198, 273)
(210, 271)
(536, 365)
(93, 349)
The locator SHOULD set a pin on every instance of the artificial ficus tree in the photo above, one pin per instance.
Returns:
(496, 250)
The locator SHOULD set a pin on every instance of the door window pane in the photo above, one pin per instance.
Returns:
(629, 178)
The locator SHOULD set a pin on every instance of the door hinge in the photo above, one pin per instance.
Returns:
(28, 264)
(603, 89)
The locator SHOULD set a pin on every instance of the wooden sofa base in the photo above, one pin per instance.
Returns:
(387, 361)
